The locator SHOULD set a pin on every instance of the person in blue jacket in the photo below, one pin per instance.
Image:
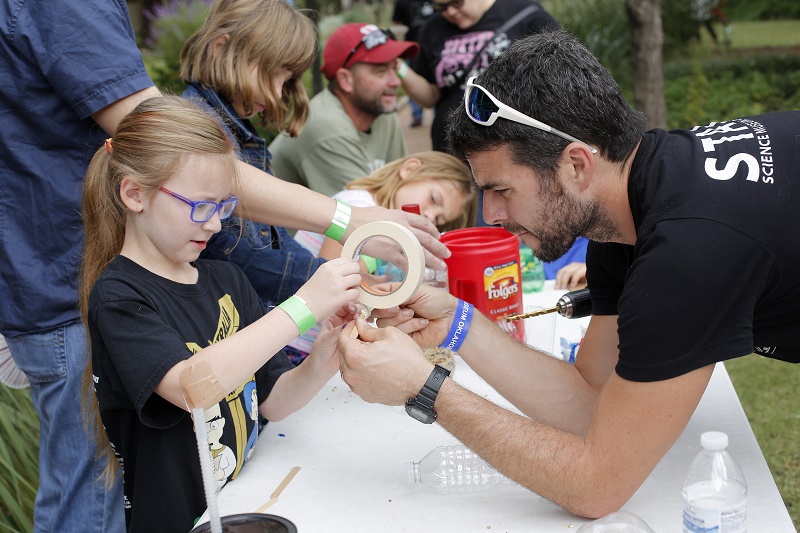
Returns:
(238, 70)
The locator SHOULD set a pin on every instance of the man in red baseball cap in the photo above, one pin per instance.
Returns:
(353, 127)
(362, 43)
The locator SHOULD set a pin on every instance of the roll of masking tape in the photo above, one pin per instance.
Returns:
(412, 249)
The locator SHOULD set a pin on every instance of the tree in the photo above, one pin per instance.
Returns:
(647, 40)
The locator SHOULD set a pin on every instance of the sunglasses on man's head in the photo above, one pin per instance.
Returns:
(369, 41)
(443, 6)
(484, 109)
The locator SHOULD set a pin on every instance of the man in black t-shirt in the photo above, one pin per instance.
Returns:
(412, 14)
(693, 260)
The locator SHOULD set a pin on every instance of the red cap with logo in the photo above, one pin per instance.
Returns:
(362, 43)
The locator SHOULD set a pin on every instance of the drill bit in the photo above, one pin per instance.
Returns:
(544, 311)
(575, 304)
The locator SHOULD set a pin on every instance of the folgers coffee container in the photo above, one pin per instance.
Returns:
(484, 271)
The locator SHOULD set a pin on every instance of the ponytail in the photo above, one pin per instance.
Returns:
(151, 145)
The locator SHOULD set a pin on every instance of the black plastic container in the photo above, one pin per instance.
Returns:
(251, 523)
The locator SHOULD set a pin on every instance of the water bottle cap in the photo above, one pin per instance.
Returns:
(714, 440)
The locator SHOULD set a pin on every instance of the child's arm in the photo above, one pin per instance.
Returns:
(294, 389)
(270, 200)
(234, 359)
(330, 249)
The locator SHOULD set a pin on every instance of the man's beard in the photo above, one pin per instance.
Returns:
(567, 220)
(371, 106)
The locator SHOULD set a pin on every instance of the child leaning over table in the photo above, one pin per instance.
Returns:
(152, 198)
(247, 60)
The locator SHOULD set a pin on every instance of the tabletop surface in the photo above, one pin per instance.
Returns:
(353, 475)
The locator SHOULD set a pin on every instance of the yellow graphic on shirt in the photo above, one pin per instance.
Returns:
(227, 325)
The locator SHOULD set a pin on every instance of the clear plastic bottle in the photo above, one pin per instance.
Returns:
(617, 522)
(455, 469)
(531, 270)
(714, 491)
(435, 277)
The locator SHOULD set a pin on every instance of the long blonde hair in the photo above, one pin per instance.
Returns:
(384, 182)
(267, 33)
(151, 144)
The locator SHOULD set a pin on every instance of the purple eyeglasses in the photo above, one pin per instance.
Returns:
(203, 210)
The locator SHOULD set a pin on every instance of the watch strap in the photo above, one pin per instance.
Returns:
(427, 395)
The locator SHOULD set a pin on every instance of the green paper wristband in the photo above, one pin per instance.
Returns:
(298, 311)
(341, 219)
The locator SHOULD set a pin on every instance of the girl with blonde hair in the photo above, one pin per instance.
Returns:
(152, 198)
(252, 54)
(247, 60)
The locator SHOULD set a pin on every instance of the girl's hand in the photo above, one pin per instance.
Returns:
(325, 354)
(333, 285)
(426, 316)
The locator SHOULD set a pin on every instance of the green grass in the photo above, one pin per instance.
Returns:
(763, 33)
(768, 389)
(750, 35)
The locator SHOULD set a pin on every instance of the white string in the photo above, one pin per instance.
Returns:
(209, 485)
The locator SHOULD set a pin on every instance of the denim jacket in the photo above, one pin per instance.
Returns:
(271, 259)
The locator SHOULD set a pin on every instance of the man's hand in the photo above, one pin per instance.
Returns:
(425, 232)
(382, 365)
(426, 316)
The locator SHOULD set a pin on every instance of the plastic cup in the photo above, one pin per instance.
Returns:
(251, 523)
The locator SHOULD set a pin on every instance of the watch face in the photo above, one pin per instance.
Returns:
(418, 413)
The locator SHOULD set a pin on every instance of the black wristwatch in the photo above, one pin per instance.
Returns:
(421, 407)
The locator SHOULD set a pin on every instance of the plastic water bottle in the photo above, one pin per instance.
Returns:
(715, 491)
(531, 270)
(435, 277)
(455, 469)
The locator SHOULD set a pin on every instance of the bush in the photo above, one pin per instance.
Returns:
(602, 25)
(702, 90)
(170, 25)
(19, 448)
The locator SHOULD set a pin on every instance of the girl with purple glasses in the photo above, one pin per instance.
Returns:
(152, 198)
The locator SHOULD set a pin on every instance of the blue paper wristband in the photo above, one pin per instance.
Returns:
(461, 322)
